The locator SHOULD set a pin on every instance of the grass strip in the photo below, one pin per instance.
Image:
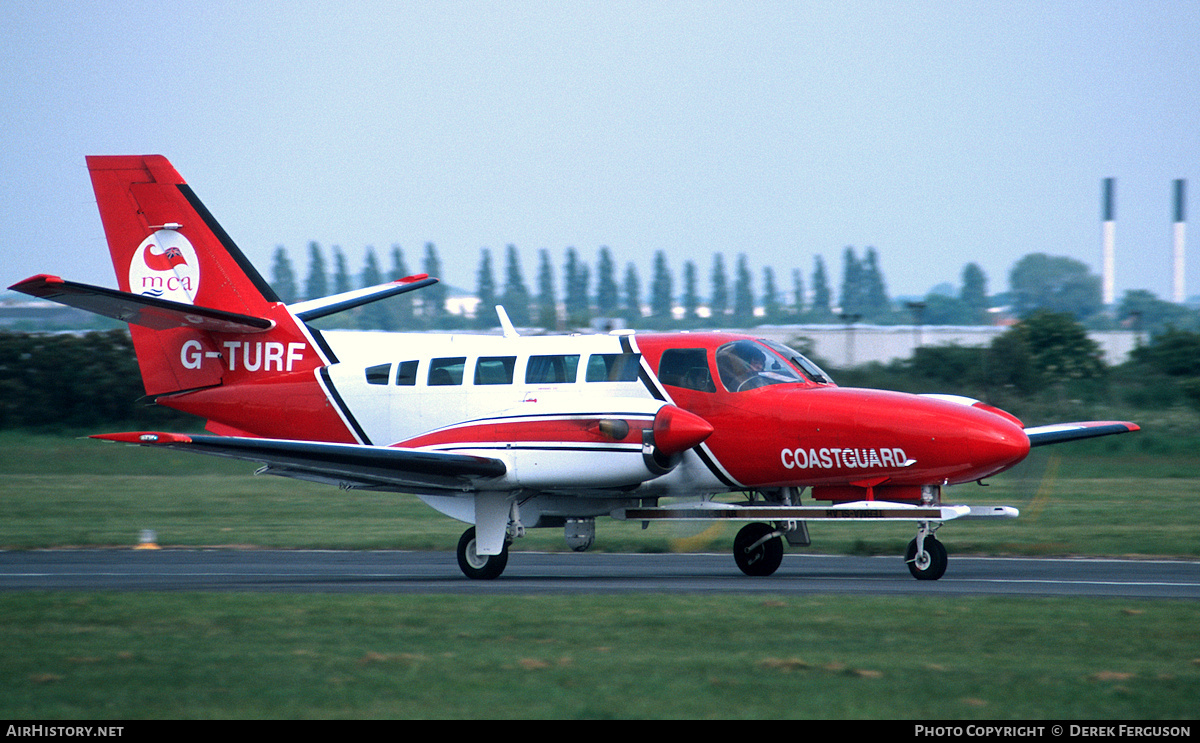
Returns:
(171, 656)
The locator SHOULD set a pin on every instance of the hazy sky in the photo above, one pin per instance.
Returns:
(939, 133)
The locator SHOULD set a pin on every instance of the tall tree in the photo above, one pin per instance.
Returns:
(719, 300)
(822, 297)
(374, 315)
(485, 312)
(797, 291)
(516, 294)
(341, 274)
(661, 292)
(576, 302)
(317, 283)
(875, 299)
(974, 292)
(691, 296)
(607, 295)
(633, 295)
(772, 310)
(283, 279)
(853, 287)
(434, 305)
(743, 294)
(580, 298)
(547, 304)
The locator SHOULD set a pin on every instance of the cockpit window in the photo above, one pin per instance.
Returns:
(747, 365)
(801, 362)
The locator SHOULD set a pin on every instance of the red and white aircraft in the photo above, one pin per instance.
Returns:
(512, 432)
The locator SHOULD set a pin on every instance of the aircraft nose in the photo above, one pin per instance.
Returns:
(998, 444)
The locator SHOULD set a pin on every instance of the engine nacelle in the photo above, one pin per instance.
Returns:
(548, 443)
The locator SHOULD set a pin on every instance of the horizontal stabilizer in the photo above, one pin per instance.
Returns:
(1059, 432)
(136, 309)
(316, 308)
(346, 465)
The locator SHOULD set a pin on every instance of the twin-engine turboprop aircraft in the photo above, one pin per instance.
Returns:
(509, 432)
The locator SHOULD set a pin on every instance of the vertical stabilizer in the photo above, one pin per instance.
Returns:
(166, 245)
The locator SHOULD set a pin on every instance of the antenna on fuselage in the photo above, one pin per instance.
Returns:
(506, 324)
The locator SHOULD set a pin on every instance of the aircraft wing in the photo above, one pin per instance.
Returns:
(1059, 432)
(150, 312)
(345, 465)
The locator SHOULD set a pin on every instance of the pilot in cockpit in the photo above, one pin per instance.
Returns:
(740, 365)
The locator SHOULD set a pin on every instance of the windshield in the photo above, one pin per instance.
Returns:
(747, 365)
(801, 362)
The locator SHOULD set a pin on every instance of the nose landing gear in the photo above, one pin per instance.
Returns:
(926, 556)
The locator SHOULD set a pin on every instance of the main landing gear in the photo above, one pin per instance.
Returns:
(758, 549)
(477, 566)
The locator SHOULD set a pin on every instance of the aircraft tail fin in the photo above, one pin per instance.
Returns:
(164, 242)
(175, 265)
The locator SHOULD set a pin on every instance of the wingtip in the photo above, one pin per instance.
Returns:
(32, 282)
(144, 437)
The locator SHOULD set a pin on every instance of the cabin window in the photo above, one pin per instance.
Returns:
(446, 372)
(613, 367)
(495, 369)
(406, 374)
(379, 374)
(687, 368)
(551, 369)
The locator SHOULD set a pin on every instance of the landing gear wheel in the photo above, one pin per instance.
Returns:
(476, 566)
(929, 566)
(761, 559)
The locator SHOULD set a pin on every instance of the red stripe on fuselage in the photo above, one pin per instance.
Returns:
(559, 429)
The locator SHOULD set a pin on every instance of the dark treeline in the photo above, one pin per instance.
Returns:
(86, 381)
(721, 293)
(60, 381)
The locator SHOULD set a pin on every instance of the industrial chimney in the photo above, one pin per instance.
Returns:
(1110, 229)
(1178, 263)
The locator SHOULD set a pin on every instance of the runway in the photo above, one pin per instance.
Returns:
(594, 573)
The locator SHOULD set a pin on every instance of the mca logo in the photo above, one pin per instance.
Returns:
(165, 266)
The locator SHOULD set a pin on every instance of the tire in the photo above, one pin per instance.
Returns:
(762, 560)
(479, 567)
(936, 566)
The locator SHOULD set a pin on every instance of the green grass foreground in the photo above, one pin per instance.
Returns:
(194, 656)
(240, 655)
